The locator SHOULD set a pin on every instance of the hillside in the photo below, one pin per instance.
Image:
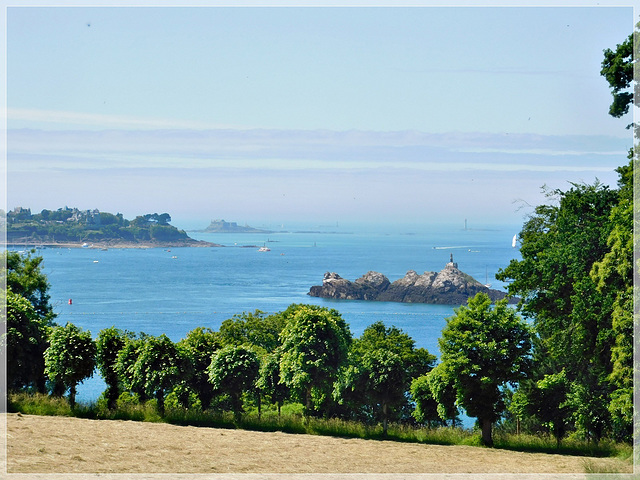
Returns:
(73, 445)
(73, 227)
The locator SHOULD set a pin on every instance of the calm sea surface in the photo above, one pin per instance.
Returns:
(158, 291)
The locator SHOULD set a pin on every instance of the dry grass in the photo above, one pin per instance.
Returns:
(42, 444)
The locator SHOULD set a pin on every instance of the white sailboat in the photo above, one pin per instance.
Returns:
(514, 241)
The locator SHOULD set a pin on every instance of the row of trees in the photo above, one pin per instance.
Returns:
(304, 354)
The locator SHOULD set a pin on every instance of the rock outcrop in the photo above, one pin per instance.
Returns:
(450, 286)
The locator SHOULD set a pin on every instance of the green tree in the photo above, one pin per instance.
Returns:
(560, 244)
(126, 361)
(234, 371)
(25, 342)
(199, 346)
(269, 380)
(548, 401)
(617, 68)
(253, 328)
(315, 342)
(70, 358)
(483, 351)
(108, 345)
(440, 387)
(26, 278)
(158, 367)
(381, 364)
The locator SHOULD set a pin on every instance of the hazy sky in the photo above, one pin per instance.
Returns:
(266, 115)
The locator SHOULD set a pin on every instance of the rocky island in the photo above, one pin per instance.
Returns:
(220, 226)
(450, 286)
(71, 227)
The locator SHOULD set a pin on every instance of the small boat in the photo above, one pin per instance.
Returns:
(264, 249)
(513, 242)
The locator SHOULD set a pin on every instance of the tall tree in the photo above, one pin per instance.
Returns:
(615, 270)
(159, 366)
(269, 382)
(199, 346)
(26, 278)
(617, 68)
(375, 383)
(25, 342)
(70, 358)
(108, 345)
(560, 244)
(484, 349)
(315, 343)
(233, 371)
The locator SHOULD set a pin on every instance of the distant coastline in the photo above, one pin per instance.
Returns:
(73, 228)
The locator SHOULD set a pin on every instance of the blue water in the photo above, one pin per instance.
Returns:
(148, 290)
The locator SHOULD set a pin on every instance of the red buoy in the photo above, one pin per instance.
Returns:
(70, 301)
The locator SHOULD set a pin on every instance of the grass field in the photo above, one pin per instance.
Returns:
(55, 444)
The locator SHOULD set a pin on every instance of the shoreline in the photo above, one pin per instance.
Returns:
(111, 244)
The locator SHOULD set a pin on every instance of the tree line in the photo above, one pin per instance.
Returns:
(304, 354)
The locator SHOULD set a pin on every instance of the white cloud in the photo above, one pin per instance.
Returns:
(291, 150)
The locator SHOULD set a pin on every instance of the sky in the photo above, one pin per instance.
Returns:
(266, 115)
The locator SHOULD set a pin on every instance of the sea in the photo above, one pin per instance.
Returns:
(174, 290)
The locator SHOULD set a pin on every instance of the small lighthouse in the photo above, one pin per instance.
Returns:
(451, 262)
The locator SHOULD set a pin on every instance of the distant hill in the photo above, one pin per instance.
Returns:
(74, 227)
(220, 226)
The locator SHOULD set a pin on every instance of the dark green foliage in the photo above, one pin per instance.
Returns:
(439, 388)
(483, 350)
(25, 342)
(199, 347)
(158, 368)
(269, 380)
(108, 345)
(617, 68)
(25, 278)
(315, 343)
(257, 329)
(233, 371)
(70, 358)
(561, 281)
(374, 385)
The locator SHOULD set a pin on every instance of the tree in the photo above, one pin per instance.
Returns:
(159, 367)
(615, 271)
(617, 68)
(108, 345)
(560, 244)
(269, 380)
(199, 346)
(70, 358)
(484, 350)
(436, 387)
(126, 364)
(381, 365)
(25, 342)
(25, 278)
(253, 328)
(233, 371)
(315, 343)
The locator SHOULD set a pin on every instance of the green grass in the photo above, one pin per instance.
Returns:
(292, 421)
